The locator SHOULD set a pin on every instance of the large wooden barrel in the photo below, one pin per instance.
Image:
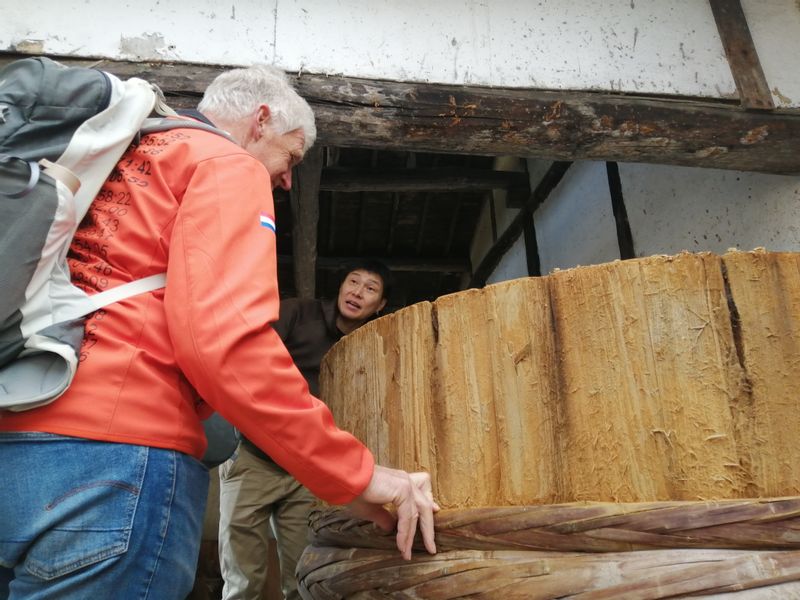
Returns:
(667, 379)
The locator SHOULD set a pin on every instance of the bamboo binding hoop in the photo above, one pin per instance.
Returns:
(746, 549)
(764, 524)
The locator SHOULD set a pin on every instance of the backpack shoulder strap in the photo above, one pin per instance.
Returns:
(102, 299)
(157, 124)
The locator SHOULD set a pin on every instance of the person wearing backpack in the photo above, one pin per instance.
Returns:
(258, 496)
(105, 492)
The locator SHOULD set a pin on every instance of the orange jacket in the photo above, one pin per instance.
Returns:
(190, 203)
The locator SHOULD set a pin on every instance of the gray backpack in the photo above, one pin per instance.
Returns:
(62, 131)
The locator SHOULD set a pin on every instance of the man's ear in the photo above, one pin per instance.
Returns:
(263, 116)
(380, 308)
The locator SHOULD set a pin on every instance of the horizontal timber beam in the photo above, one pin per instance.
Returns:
(415, 265)
(448, 179)
(557, 125)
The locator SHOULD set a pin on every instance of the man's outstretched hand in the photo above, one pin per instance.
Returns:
(412, 497)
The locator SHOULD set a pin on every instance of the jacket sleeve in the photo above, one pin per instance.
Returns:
(287, 318)
(220, 299)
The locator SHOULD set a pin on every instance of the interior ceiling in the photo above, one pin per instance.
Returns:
(417, 232)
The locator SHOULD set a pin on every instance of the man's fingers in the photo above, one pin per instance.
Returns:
(424, 499)
(407, 517)
(412, 496)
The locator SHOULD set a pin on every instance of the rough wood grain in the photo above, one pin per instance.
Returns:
(765, 291)
(656, 379)
(553, 125)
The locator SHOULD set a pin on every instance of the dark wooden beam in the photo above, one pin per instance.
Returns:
(304, 199)
(506, 240)
(517, 195)
(392, 223)
(423, 222)
(332, 222)
(532, 259)
(451, 232)
(742, 56)
(362, 218)
(493, 217)
(445, 179)
(416, 265)
(557, 125)
(624, 233)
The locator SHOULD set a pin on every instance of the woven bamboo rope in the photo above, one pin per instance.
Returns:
(332, 573)
(591, 527)
(745, 548)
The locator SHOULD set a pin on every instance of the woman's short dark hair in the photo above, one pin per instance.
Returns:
(371, 265)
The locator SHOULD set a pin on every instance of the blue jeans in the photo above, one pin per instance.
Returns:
(83, 519)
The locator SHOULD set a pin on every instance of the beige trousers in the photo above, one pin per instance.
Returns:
(258, 499)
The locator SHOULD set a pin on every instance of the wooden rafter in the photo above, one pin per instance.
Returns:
(442, 179)
(532, 259)
(742, 56)
(332, 219)
(423, 223)
(363, 206)
(392, 222)
(623, 226)
(416, 265)
(451, 233)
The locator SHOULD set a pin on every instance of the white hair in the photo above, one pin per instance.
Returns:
(238, 93)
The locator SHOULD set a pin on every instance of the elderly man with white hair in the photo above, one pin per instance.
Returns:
(107, 493)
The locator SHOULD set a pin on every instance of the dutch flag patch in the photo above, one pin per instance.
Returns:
(267, 221)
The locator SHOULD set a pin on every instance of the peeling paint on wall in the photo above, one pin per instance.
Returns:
(777, 93)
(29, 47)
(145, 46)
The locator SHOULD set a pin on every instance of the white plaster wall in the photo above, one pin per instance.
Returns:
(483, 238)
(775, 27)
(513, 265)
(670, 209)
(680, 208)
(647, 46)
(575, 225)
